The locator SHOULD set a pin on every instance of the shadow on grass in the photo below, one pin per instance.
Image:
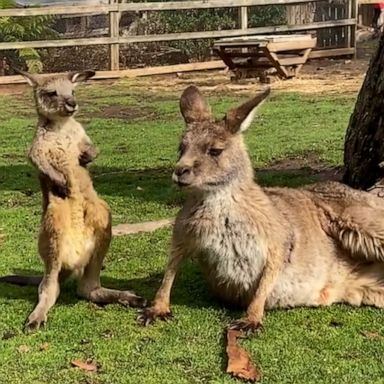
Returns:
(146, 185)
(152, 184)
(190, 288)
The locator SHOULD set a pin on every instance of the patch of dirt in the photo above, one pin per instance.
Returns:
(149, 226)
(310, 165)
(325, 76)
(124, 112)
(317, 76)
(328, 76)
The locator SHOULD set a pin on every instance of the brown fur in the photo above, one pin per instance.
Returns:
(272, 247)
(75, 230)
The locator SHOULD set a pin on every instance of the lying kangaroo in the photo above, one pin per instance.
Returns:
(76, 224)
(266, 247)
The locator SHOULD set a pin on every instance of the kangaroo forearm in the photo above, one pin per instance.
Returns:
(267, 282)
(163, 295)
(88, 153)
(48, 170)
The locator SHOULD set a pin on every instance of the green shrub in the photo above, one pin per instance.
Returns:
(197, 20)
(24, 29)
(264, 16)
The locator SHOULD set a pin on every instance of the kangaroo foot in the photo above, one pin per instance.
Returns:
(130, 299)
(246, 325)
(150, 314)
(35, 322)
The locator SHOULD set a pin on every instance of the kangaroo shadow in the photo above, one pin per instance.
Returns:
(190, 288)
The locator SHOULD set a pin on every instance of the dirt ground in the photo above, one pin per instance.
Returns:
(331, 76)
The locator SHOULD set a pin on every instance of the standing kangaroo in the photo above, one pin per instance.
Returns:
(75, 230)
(266, 247)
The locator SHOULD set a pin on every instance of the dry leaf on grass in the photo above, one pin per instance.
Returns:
(44, 347)
(8, 335)
(85, 366)
(239, 362)
(372, 335)
(23, 348)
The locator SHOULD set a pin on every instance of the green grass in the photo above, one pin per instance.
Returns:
(138, 149)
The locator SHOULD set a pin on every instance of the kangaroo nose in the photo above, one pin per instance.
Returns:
(71, 102)
(182, 171)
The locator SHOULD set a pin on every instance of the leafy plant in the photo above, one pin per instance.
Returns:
(269, 15)
(198, 20)
(25, 29)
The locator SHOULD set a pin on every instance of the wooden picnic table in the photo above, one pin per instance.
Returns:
(255, 55)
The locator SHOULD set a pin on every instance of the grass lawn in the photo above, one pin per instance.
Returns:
(138, 133)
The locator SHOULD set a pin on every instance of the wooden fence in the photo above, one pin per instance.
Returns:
(333, 22)
(365, 12)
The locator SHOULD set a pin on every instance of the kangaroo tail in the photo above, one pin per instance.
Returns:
(21, 280)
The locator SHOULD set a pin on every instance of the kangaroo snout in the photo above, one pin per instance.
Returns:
(70, 104)
(181, 174)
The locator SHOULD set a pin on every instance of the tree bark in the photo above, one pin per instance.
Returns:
(364, 140)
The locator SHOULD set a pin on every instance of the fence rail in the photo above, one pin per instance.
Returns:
(174, 36)
(140, 7)
(114, 9)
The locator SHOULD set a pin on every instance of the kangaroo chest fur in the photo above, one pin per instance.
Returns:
(228, 248)
(66, 138)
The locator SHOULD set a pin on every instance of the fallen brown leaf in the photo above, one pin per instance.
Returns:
(44, 347)
(239, 362)
(8, 335)
(372, 335)
(23, 348)
(85, 366)
(107, 334)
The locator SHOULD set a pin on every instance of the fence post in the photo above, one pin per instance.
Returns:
(244, 18)
(354, 15)
(114, 52)
(244, 22)
(349, 29)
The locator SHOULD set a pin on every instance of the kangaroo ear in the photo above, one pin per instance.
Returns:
(77, 77)
(240, 118)
(31, 79)
(193, 106)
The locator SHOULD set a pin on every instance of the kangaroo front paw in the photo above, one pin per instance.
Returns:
(150, 314)
(34, 323)
(246, 325)
(60, 190)
(130, 299)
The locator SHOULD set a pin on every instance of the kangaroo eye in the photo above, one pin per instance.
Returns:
(215, 152)
(51, 93)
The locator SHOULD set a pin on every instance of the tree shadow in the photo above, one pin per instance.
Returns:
(154, 184)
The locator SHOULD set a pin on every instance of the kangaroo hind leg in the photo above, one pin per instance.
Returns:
(366, 286)
(49, 290)
(90, 287)
(360, 231)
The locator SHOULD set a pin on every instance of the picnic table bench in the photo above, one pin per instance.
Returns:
(255, 55)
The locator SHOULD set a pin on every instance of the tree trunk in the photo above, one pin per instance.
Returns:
(364, 140)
